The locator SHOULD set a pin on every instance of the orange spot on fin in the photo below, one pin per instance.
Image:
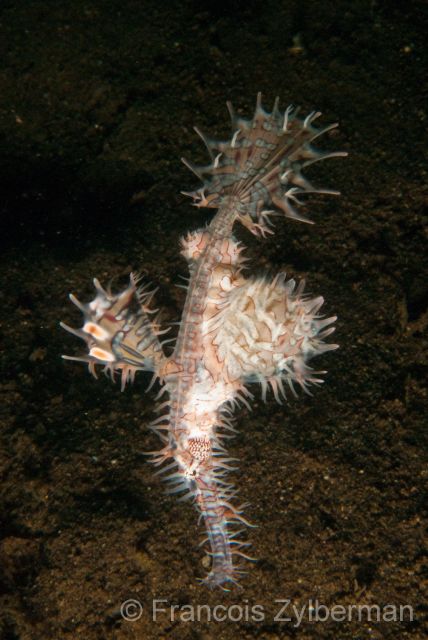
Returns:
(95, 330)
(101, 354)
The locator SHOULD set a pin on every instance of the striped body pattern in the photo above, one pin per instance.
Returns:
(235, 331)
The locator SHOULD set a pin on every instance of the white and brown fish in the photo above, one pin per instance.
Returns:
(234, 331)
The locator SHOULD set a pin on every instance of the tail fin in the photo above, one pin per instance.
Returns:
(262, 164)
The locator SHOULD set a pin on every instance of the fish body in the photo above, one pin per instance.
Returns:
(234, 331)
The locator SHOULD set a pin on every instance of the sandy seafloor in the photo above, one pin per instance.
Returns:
(98, 100)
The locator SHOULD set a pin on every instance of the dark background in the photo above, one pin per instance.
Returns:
(98, 100)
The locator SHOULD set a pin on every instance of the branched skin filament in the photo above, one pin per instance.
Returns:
(234, 330)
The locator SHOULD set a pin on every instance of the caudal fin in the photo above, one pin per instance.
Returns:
(262, 164)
